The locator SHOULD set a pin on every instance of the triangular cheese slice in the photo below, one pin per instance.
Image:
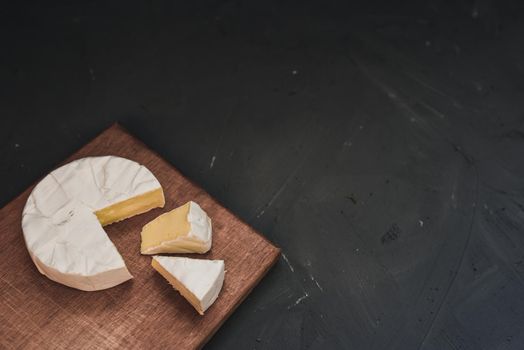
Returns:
(186, 229)
(198, 280)
(63, 218)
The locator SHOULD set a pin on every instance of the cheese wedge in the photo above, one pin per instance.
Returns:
(64, 214)
(198, 280)
(186, 229)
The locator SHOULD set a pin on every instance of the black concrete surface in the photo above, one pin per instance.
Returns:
(381, 146)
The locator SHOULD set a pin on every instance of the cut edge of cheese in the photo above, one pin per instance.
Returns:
(131, 207)
(209, 289)
(185, 229)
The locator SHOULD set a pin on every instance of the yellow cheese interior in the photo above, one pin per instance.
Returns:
(186, 293)
(131, 207)
(168, 233)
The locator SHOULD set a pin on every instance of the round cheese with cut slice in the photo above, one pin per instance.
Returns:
(65, 213)
(198, 280)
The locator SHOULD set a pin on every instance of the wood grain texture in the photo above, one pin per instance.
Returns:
(145, 312)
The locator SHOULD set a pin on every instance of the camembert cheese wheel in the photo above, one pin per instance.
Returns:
(63, 218)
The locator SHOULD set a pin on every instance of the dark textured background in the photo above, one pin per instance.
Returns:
(381, 146)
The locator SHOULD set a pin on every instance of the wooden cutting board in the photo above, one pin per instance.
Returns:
(145, 312)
